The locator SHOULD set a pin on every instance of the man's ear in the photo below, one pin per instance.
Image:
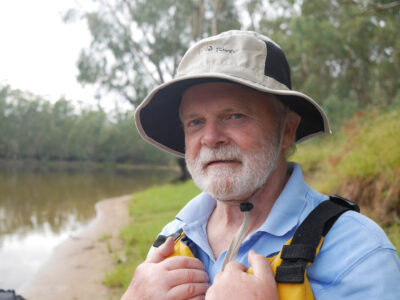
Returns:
(292, 123)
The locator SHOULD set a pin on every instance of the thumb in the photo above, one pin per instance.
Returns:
(260, 265)
(162, 252)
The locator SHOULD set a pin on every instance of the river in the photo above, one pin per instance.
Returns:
(42, 206)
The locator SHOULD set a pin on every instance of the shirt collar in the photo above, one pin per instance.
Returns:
(287, 209)
(198, 209)
(285, 213)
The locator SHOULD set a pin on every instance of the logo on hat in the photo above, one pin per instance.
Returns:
(218, 49)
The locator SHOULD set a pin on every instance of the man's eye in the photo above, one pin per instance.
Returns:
(236, 116)
(194, 123)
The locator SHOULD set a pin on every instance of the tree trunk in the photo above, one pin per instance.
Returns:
(216, 7)
(184, 172)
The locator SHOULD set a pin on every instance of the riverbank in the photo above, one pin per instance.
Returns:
(151, 209)
(77, 267)
(65, 165)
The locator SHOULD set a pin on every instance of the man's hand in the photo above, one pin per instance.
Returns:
(160, 277)
(235, 284)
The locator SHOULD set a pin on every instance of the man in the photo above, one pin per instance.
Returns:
(231, 113)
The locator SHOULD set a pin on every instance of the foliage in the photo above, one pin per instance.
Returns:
(393, 233)
(137, 45)
(342, 53)
(362, 163)
(33, 128)
(375, 144)
(151, 210)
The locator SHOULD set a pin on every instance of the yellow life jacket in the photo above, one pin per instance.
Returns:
(290, 264)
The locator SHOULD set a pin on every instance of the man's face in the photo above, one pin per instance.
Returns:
(231, 138)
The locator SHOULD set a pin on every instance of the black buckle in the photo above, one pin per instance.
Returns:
(162, 238)
(344, 202)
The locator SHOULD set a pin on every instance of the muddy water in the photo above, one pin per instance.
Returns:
(42, 206)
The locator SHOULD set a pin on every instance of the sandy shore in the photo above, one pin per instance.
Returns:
(77, 267)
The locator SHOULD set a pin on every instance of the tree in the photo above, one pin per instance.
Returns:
(33, 128)
(343, 53)
(137, 45)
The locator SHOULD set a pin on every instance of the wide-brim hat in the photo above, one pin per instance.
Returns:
(241, 57)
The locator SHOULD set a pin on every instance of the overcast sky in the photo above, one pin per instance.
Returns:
(38, 52)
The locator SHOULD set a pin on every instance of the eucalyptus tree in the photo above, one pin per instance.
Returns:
(137, 45)
(344, 53)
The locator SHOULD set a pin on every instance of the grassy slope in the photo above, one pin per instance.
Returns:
(151, 210)
(361, 162)
(365, 154)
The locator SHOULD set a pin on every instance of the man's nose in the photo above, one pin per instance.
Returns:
(214, 135)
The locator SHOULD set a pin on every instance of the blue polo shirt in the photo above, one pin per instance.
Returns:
(356, 261)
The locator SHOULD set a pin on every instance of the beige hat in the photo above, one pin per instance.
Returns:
(242, 57)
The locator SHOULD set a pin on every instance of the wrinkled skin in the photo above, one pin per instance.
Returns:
(160, 277)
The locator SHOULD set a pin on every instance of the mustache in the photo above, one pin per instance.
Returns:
(207, 156)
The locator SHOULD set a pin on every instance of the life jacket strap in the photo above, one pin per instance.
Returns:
(303, 248)
(298, 251)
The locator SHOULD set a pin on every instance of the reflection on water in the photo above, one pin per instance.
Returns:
(39, 207)
(22, 257)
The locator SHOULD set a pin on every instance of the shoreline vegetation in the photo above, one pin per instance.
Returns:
(150, 210)
(33, 127)
(79, 165)
(362, 156)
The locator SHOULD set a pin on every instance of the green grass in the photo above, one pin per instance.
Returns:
(366, 148)
(362, 159)
(393, 232)
(375, 148)
(151, 210)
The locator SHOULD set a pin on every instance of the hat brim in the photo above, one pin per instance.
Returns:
(158, 122)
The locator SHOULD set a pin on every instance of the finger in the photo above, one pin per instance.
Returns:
(261, 267)
(162, 252)
(235, 266)
(201, 297)
(187, 291)
(183, 262)
(182, 276)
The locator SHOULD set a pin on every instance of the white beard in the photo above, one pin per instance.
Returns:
(234, 182)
